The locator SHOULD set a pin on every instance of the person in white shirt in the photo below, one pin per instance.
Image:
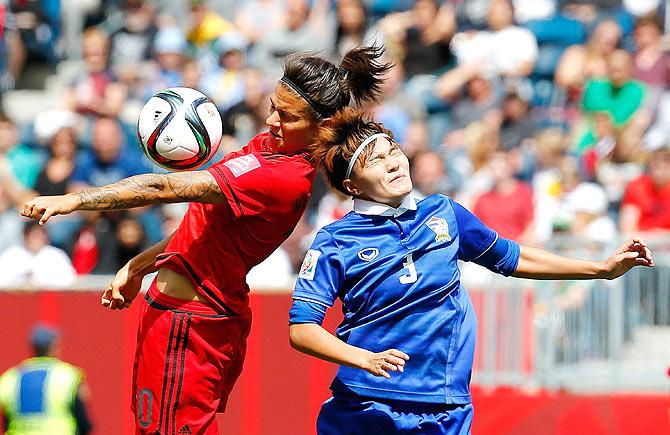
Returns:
(35, 262)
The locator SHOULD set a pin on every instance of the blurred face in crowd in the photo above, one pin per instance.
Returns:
(424, 13)
(383, 176)
(500, 15)
(95, 52)
(129, 233)
(8, 136)
(514, 107)
(427, 172)
(351, 15)
(605, 37)
(646, 34)
(170, 61)
(198, 13)
(659, 166)
(416, 138)
(478, 88)
(296, 14)
(619, 68)
(138, 15)
(254, 88)
(500, 166)
(63, 143)
(35, 238)
(107, 139)
(191, 74)
(291, 123)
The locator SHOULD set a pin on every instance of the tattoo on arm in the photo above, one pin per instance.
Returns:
(145, 189)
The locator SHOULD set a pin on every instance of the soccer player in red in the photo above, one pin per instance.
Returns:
(195, 317)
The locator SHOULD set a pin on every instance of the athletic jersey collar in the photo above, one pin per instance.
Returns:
(363, 206)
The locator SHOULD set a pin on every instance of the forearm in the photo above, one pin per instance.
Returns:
(537, 263)
(312, 339)
(144, 262)
(147, 189)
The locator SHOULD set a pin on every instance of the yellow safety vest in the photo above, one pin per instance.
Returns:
(37, 397)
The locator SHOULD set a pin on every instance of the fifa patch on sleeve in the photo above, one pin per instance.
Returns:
(309, 264)
(243, 164)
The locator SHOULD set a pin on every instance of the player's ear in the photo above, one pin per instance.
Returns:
(351, 188)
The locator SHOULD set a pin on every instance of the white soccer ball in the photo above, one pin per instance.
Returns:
(179, 129)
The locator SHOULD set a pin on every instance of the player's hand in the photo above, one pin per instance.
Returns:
(122, 290)
(41, 208)
(391, 360)
(634, 252)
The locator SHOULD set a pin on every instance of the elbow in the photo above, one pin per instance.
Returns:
(299, 336)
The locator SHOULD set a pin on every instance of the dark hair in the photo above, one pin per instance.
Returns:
(329, 87)
(337, 140)
(650, 19)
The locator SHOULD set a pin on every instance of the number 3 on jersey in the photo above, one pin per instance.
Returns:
(410, 271)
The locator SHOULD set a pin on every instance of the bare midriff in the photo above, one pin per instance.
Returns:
(176, 285)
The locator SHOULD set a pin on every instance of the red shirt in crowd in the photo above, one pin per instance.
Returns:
(217, 244)
(652, 202)
(507, 214)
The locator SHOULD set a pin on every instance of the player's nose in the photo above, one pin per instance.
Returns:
(273, 119)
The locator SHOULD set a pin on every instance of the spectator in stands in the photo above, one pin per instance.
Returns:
(617, 94)
(548, 147)
(38, 24)
(503, 48)
(481, 100)
(12, 52)
(353, 29)
(93, 246)
(207, 27)
(130, 239)
(507, 208)
(473, 175)
(35, 262)
(108, 159)
(131, 42)
(581, 63)
(254, 18)
(332, 207)
(44, 394)
(590, 221)
(646, 201)
(517, 125)
(651, 64)
(415, 140)
(96, 92)
(304, 28)
(429, 175)
(224, 84)
(25, 162)
(11, 224)
(245, 119)
(422, 35)
(54, 177)
(169, 47)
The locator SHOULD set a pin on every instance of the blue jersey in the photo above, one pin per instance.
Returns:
(399, 283)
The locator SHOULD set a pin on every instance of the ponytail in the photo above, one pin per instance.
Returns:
(363, 72)
(328, 88)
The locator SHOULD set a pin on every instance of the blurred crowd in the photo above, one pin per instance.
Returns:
(543, 117)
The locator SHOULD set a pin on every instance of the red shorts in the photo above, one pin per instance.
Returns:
(187, 360)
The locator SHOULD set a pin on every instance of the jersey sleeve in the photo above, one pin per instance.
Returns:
(475, 237)
(245, 181)
(321, 273)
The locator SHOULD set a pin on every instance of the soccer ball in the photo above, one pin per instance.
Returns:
(179, 129)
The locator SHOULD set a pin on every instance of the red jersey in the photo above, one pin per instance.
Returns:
(508, 215)
(217, 244)
(652, 201)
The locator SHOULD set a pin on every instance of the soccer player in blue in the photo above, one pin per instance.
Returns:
(393, 263)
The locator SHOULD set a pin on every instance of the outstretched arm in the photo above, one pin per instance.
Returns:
(136, 191)
(536, 263)
(314, 340)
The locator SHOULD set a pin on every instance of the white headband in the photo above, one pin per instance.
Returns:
(360, 149)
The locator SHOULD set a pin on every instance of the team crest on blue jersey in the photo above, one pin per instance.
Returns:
(368, 254)
(309, 264)
(440, 227)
